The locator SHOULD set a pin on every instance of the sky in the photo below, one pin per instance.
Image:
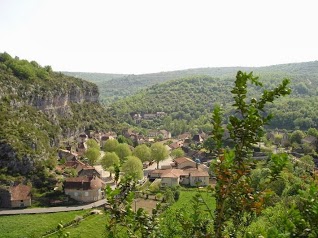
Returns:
(148, 36)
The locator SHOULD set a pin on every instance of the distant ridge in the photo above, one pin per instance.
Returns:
(115, 86)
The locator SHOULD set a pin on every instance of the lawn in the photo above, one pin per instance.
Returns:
(92, 226)
(16, 226)
(186, 196)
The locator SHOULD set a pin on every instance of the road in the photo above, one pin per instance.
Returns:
(51, 209)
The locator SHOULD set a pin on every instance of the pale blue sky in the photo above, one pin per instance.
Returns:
(143, 36)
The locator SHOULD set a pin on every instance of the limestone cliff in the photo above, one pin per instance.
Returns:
(38, 107)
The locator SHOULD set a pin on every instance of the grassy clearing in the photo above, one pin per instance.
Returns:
(92, 227)
(33, 225)
(186, 196)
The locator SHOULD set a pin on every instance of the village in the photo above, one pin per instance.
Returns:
(82, 182)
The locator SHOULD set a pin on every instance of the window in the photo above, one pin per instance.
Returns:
(76, 194)
(86, 194)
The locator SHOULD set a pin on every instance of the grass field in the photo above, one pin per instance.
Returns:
(18, 226)
(92, 227)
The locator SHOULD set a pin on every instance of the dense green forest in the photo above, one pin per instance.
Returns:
(39, 108)
(189, 101)
(115, 86)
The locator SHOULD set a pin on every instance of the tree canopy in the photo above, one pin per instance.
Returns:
(159, 152)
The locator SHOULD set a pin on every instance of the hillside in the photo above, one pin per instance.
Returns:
(116, 86)
(38, 108)
(189, 101)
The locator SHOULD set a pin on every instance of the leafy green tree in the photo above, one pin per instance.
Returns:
(123, 150)
(296, 136)
(91, 143)
(133, 168)
(209, 145)
(177, 153)
(233, 169)
(143, 152)
(109, 160)
(92, 155)
(110, 145)
(159, 152)
(312, 132)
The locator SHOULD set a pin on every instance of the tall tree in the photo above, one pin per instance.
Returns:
(92, 155)
(143, 152)
(159, 152)
(110, 145)
(177, 153)
(123, 150)
(133, 168)
(91, 143)
(109, 160)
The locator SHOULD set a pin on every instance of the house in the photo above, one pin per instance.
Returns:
(176, 145)
(137, 118)
(88, 171)
(82, 138)
(149, 116)
(172, 177)
(165, 134)
(84, 189)
(184, 162)
(67, 154)
(160, 114)
(152, 134)
(197, 139)
(311, 140)
(15, 196)
(184, 136)
(81, 148)
(199, 178)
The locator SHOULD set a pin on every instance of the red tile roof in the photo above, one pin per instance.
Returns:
(20, 192)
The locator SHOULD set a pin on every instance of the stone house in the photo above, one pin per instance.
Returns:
(15, 196)
(67, 154)
(84, 189)
(81, 148)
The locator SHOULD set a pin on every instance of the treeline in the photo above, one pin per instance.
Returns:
(188, 103)
(116, 86)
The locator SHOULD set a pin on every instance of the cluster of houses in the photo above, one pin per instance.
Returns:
(137, 117)
(183, 171)
(86, 183)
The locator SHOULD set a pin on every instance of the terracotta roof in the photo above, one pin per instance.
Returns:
(20, 192)
(184, 136)
(84, 183)
(183, 160)
(166, 172)
(199, 174)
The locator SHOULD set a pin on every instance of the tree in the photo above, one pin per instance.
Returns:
(133, 168)
(123, 150)
(109, 160)
(209, 145)
(159, 152)
(110, 145)
(235, 199)
(91, 143)
(92, 155)
(143, 152)
(296, 136)
(177, 153)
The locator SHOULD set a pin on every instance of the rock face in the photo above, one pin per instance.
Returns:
(36, 113)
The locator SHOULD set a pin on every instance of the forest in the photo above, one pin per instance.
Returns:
(188, 103)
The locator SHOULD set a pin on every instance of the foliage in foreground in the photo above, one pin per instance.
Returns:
(274, 198)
